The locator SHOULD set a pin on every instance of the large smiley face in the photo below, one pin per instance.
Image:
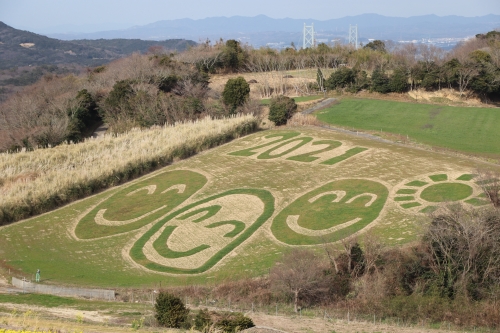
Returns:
(196, 237)
(139, 204)
(331, 212)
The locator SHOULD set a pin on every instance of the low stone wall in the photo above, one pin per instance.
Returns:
(39, 288)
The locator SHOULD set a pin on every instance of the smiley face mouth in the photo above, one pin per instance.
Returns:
(293, 222)
(331, 212)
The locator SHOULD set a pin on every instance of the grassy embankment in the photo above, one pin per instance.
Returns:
(468, 130)
(36, 182)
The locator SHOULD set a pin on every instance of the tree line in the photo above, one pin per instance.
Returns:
(136, 91)
(473, 66)
(158, 87)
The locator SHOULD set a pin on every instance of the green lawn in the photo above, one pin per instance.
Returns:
(466, 129)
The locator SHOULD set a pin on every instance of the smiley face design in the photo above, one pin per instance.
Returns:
(194, 238)
(139, 204)
(331, 212)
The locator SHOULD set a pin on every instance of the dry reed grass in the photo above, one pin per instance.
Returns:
(37, 181)
(300, 119)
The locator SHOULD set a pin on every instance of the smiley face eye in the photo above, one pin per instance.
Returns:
(151, 189)
(369, 203)
(179, 187)
(339, 196)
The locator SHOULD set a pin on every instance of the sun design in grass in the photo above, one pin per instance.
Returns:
(426, 193)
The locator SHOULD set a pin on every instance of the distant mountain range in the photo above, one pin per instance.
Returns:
(24, 48)
(260, 30)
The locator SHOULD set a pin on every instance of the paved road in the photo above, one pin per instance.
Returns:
(323, 104)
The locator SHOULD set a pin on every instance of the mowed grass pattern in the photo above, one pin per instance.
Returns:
(51, 242)
(466, 129)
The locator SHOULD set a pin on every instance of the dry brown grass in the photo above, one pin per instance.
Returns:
(39, 180)
(270, 83)
(300, 119)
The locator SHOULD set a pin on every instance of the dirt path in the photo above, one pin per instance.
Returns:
(323, 104)
(265, 323)
(63, 313)
(268, 324)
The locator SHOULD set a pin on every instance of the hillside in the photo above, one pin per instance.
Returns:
(263, 180)
(24, 48)
(127, 46)
(261, 29)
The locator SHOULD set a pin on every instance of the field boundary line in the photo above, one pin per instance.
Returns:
(27, 286)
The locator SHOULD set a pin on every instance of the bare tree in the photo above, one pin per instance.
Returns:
(466, 73)
(373, 249)
(301, 273)
(490, 184)
(465, 246)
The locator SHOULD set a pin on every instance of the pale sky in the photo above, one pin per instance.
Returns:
(62, 16)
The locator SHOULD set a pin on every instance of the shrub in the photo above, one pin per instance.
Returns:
(230, 322)
(234, 322)
(236, 93)
(120, 95)
(170, 311)
(341, 78)
(281, 108)
(233, 55)
(203, 321)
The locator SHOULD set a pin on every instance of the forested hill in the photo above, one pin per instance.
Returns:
(128, 46)
(24, 48)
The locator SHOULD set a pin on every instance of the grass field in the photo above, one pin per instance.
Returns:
(466, 129)
(231, 212)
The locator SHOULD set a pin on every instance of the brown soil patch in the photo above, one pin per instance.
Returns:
(446, 96)
(269, 323)
(89, 316)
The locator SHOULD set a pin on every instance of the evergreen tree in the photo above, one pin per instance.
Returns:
(281, 109)
(236, 93)
(380, 81)
(170, 311)
(398, 81)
